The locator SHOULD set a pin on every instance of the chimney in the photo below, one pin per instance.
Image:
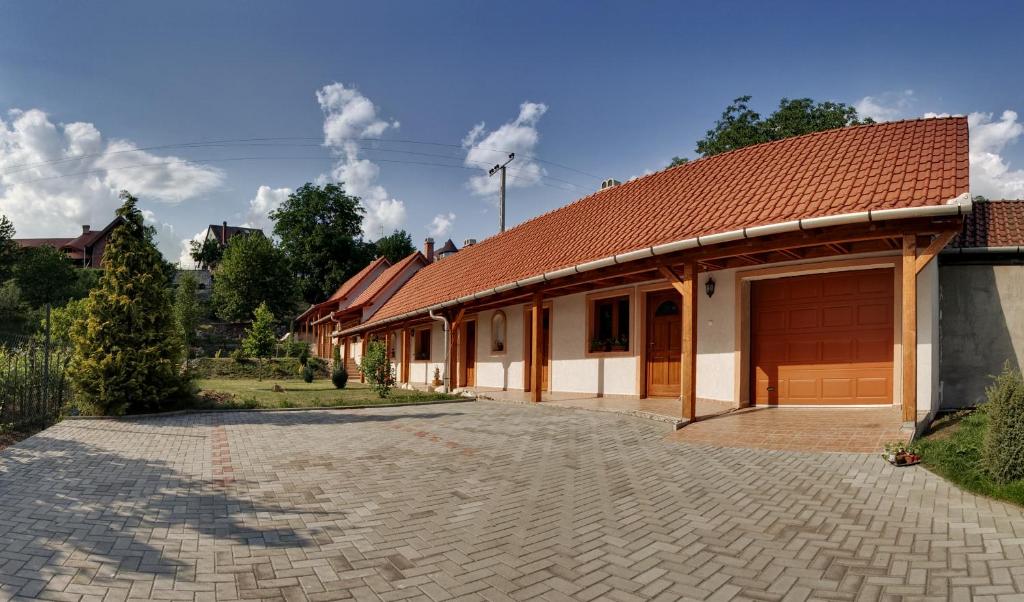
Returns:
(224, 234)
(469, 242)
(609, 183)
(428, 248)
(85, 228)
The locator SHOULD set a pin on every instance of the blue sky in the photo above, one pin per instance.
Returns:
(606, 89)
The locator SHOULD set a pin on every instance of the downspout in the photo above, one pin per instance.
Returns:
(447, 327)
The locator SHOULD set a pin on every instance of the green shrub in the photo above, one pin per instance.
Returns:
(1003, 452)
(283, 368)
(238, 355)
(307, 374)
(376, 365)
(339, 377)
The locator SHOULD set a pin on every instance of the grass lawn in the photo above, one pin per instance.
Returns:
(228, 393)
(952, 449)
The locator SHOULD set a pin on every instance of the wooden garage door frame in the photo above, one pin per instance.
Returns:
(742, 301)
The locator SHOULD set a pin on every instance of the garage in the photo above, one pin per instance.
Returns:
(823, 339)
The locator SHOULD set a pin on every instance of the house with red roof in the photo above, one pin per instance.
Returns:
(84, 250)
(799, 272)
(353, 303)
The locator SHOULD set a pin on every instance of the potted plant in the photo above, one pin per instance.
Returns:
(900, 453)
(437, 378)
(620, 344)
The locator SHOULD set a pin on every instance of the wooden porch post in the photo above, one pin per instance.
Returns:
(688, 365)
(909, 343)
(405, 355)
(366, 338)
(535, 347)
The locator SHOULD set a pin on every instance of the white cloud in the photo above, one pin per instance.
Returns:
(266, 200)
(441, 225)
(55, 177)
(185, 257)
(166, 240)
(520, 136)
(991, 175)
(887, 106)
(349, 116)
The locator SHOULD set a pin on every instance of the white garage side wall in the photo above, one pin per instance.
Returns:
(928, 392)
(500, 370)
(716, 337)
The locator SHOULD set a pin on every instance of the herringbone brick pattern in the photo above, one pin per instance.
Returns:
(481, 501)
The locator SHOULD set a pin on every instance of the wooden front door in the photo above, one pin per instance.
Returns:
(664, 343)
(470, 354)
(823, 339)
(545, 348)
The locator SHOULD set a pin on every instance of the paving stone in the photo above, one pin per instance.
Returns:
(551, 503)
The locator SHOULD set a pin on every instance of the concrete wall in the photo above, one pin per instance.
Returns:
(927, 339)
(982, 326)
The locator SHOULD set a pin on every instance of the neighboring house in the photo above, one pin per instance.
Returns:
(354, 302)
(85, 250)
(981, 301)
(797, 272)
(223, 233)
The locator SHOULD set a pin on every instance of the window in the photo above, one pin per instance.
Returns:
(609, 324)
(498, 332)
(422, 348)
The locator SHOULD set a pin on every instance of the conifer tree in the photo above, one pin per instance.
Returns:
(126, 350)
(259, 338)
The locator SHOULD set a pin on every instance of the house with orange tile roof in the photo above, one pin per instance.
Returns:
(353, 303)
(84, 250)
(798, 272)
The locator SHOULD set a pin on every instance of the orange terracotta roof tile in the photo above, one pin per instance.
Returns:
(387, 276)
(882, 166)
(347, 287)
(993, 224)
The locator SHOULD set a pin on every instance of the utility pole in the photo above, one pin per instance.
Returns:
(501, 201)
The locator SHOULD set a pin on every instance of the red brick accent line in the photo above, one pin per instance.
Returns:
(220, 452)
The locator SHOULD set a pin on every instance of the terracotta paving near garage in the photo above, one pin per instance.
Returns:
(664, 409)
(864, 430)
(477, 501)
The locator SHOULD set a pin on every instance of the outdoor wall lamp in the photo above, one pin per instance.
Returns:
(709, 286)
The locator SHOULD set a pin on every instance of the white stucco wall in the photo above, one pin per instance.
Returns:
(928, 398)
(421, 372)
(572, 370)
(500, 370)
(716, 337)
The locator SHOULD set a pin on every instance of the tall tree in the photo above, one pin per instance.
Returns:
(46, 275)
(319, 228)
(741, 126)
(125, 353)
(207, 254)
(8, 248)
(186, 311)
(259, 337)
(253, 271)
(395, 246)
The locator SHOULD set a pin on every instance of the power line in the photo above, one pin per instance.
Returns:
(263, 158)
(274, 140)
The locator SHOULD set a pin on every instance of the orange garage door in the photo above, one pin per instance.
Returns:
(823, 339)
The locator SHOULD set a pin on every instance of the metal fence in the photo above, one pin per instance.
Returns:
(33, 379)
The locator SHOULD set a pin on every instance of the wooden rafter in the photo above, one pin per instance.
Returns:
(839, 248)
(928, 253)
(790, 253)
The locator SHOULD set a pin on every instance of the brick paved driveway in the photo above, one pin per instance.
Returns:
(486, 501)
